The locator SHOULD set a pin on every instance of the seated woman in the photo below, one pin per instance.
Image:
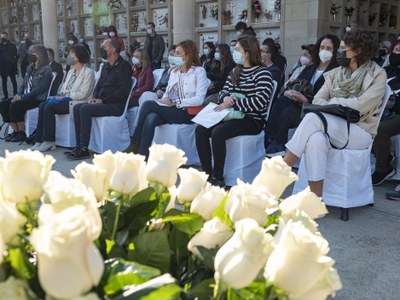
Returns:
(78, 86)
(187, 86)
(359, 84)
(390, 124)
(32, 92)
(219, 71)
(286, 110)
(163, 82)
(144, 75)
(207, 57)
(253, 82)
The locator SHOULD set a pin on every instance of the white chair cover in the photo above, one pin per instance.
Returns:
(181, 136)
(111, 133)
(132, 114)
(157, 76)
(348, 180)
(244, 156)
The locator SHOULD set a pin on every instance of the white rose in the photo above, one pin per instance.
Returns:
(172, 192)
(241, 258)
(26, 172)
(106, 162)
(163, 162)
(207, 201)
(128, 175)
(14, 289)
(69, 264)
(93, 177)
(10, 220)
(299, 251)
(213, 235)
(276, 175)
(62, 193)
(249, 201)
(306, 201)
(192, 183)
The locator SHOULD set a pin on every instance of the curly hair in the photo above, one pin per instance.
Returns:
(363, 42)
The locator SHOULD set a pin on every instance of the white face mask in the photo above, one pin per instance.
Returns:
(112, 34)
(304, 60)
(325, 55)
(70, 42)
(135, 61)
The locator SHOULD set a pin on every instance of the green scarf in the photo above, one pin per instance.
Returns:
(347, 84)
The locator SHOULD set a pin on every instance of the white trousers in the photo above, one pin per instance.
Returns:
(311, 140)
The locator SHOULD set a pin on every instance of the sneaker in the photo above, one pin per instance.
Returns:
(378, 177)
(80, 153)
(275, 149)
(19, 137)
(9, 136)
(393, 195)
(35, 146)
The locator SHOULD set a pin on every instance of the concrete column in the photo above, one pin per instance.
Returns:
(183, 20)
(49, 24)
(304, 23)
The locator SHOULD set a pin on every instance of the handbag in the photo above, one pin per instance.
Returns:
(302, 86)
(347, 113)
(234, 114)
(191, 110)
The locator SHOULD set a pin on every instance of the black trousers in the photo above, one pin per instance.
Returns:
(83, 113)
(46, 126)
(381, 146)
(285, 114)
(4, 82)
(219, 134)
(152, 115)
(13, 112)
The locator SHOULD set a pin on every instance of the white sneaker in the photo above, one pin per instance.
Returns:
(46, 146)
(36, 146)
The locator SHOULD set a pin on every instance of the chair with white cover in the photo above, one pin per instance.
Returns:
(245, 154)
(348, 180)
(32, 115)
(65, 128)
(111, 133)
(181, 136)
(157, 74)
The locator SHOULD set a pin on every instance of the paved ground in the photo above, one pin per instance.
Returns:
(366, 248)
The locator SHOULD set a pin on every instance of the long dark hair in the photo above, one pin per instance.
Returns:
(250, 45)
(336, 43)
(226, 57)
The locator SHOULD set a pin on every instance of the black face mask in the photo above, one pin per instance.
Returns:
(342, 60)
(32, 58)
(394, 59)
(382, 52)
(103, 53)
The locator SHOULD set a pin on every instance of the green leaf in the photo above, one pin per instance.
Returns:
(170, 291)
(152, 248)
(185, 222)
(124, 273)
(138, 292)
(20, 263)
(204, 290)
(136, 218)
(141, 197)
(221, 214)
(208, 256)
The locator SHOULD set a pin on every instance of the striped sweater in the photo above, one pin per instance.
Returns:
(256, 84)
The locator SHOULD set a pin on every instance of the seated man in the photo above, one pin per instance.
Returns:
(56, 67)
(109, 97)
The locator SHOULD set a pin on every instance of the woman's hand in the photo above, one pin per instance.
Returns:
(227, 102)
(16, 98)
(160, 93)
(58, 97)
(299, 97)
(166, 101)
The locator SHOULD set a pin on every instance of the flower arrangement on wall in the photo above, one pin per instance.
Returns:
(115, 231)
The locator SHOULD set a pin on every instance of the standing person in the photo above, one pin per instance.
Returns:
(56, 67)
(23, 56)
(359, 83)
(187, 86)
(109, 97)
(143, 74)
(33, 91)
(8, 63)
(113, 34)
(253, 81)
(242, 28)
(155, 46)
(78, 86)
(72, 40)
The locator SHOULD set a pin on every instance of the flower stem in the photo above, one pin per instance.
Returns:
(114, 232)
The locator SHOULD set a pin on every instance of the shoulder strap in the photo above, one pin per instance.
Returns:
(325, 124)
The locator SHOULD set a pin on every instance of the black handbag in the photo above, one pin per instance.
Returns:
(303, 86)
(347, 113)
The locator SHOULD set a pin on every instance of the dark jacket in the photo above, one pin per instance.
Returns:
(56, 67)
(41, 79)
(23, 53)
(114, 83)
(276, 75)
(217, 76)
(8, 59)
(157, 46)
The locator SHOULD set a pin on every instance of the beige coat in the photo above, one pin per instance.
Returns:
(367, 102)
(82, 88)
